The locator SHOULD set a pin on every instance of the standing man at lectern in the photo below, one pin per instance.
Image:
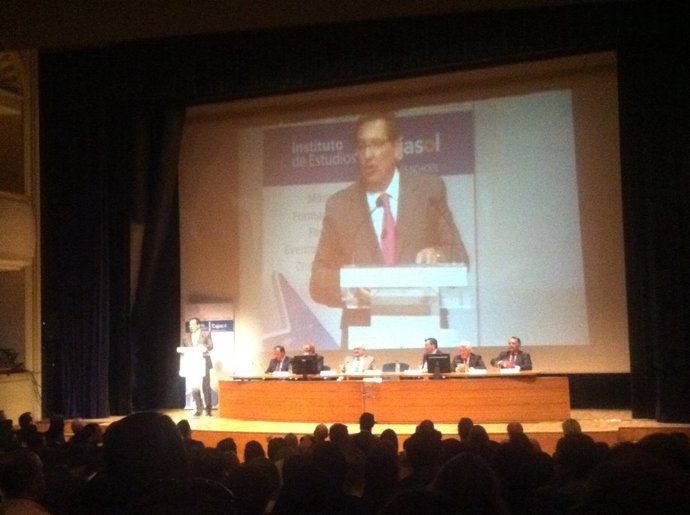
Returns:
(386, 217)
(202, 340)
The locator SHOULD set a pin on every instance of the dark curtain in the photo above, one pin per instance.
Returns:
(85, 261)
(655, 148)
(109, 130)
(107, 162)
(156, 308)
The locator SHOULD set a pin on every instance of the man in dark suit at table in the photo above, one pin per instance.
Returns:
(386, 217)
(430, 347)
(514, 356)
(279, 362)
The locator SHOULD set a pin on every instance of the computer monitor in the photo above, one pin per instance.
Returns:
(306, 364)
(442, 361)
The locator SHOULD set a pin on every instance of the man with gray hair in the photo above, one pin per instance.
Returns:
(466, 359)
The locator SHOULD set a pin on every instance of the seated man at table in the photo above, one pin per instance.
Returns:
(430, 347)
(359, 361)
(309, 349)
(466, 359)
(279, 362)
(513, 357)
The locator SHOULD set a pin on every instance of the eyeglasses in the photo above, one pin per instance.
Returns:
(374, 145)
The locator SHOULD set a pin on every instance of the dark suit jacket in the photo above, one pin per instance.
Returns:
(284, 367)
(425, 356)
(475, 361)
(348, 237)
(522, 360)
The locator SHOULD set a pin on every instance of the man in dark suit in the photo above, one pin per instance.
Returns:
(201, 339)
(280, 362)
(430, 347)
(466, 359)
(513, 357)
(387, 217)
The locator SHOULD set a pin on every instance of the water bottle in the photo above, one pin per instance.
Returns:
(397, 367)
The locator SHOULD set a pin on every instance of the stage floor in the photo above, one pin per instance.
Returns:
(610, 426)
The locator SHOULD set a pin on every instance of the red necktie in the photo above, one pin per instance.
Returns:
(387, 232)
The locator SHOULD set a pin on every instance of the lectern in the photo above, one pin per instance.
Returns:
(404, 289)
(192, 364)
(405, 301)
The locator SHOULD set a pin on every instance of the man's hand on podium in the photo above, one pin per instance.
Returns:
(428, 256)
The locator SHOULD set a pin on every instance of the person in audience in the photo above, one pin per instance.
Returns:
(140, 450)
(390, 437)
(228, 448)
(192, 446)
(464, 427)
(292, 441)
(252, 450)
(381, 474)
(423, 453)
(575, 457)
(274, 446)
(306, 443)
(27, 429)
(430, 347)
(320, 433)
(571, 426)
(8, 436)
(316, 483)
(76, 425)
(201, 339)
(668, 447)
(340, 436)
(358, 362)
(427, 426)
(55, 434)
(513, 356)
(365, 440)
(479, 443)
(522, 470)
(631, 480)
(279, 362)
(22, 483)
(227, 444)
(466, 359)
(467, 484)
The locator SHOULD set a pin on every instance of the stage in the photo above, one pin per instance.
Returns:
(610, 426)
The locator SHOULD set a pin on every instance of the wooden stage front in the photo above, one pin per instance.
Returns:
(489, 398)
(262, 409)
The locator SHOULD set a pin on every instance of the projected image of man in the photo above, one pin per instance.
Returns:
(386, 217)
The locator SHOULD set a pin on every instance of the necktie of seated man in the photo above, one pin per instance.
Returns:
(387, 231)
(357, 367)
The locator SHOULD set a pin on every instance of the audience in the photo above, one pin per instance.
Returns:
(145, 463)
(22, 482)
(192, 446)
